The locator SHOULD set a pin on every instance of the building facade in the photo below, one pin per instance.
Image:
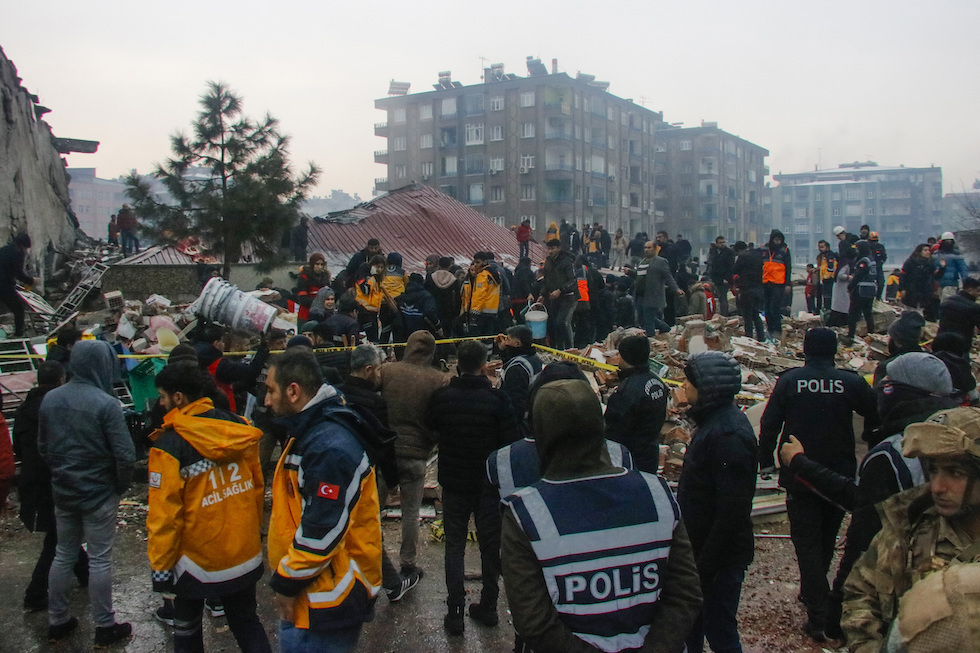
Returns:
(710, 183)
(95, 200)
(545, 147)
(904, 205)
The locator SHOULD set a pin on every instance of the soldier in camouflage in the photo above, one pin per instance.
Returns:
(925, 529)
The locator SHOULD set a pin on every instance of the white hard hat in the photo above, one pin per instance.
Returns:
(947, 235)
(838, 230)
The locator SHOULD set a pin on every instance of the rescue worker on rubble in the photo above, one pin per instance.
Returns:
(572, 513)
(369, 295)
(205, 511)
(481, 296)
(816, 404)
(637, 409)
(777, 281)
(924, 530)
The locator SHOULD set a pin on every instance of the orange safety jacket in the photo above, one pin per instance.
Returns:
(205, 503)
(583, 289)
(369, 295)
(775, 266)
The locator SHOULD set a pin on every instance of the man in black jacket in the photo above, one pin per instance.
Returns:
(747, 274)
(559, 293)
(637, 409)
(961, 313)
(360, 258)
(715, 495)
(471, 419)
(801, 394)
(721, 262)
(11, 271)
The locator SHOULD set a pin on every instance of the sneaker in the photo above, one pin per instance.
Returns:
(484, 615)
(165, 613)
(108, 635)
(215, 607)
(395, 594)
(814, 632)
(453, 621)
(61, 631)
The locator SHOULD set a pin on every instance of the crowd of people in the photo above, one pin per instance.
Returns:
(595, 550)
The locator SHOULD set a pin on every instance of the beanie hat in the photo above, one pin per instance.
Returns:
(445, 262)
(635, 350)
(182, 354)
(820, 342)
(907, 329)
(920, 370)
(394, 260)
(299, 341)
(309, 327)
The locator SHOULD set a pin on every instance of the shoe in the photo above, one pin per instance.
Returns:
(108, 635)
(814, 632)
(215, 607)
(453, 622)
(408, 570)
(35, 605)
(833, 631)
(486, 616)
(165, 613)
(395, 594)
(61, 631)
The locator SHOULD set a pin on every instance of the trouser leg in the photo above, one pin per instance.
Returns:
(240, 610)
(867, 307)
(100, 534)
(390, 578)
(720, 608)
(853, 315)
(37, 589)
(488, 534)
(812, 529)
(411, 480)
(188, 631)
(456, 510)
(773, 298)
(563, 322)
(70, 532)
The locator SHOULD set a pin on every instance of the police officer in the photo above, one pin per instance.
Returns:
(569, 586)
(816, 404)
(637, 409)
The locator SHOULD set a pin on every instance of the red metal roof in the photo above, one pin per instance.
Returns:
(414, 221)
(158, 255)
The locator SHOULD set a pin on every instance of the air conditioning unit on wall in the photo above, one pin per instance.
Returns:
(524, 170)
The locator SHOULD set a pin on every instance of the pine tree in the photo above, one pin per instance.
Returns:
(231, 184)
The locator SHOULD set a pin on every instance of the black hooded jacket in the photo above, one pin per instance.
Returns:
(774, 255)
(635, 413)
(961, 314)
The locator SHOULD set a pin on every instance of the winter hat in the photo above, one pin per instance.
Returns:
(394, 260)
(947, 235)
(907, 329)
(635, 350)
(920, 370)
(309, 327)
(415, 277)
(182, 354)
(716, 375)
(445, 262)
(299, 341)
(820, 342)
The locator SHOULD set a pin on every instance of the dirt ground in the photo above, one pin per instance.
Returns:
(770, 615)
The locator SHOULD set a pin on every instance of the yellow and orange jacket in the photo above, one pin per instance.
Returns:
(394, 282)
(368, 294)
(325, 531)
(206, 501)
(482, 293)
(827, 265)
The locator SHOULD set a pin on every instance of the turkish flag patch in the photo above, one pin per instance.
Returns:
(327, 491)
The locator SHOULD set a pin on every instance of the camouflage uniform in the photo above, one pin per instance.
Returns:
(914, 541)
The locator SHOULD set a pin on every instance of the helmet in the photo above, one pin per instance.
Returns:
(873, 235)
(953, 432)
(838, 230)
(947, 235)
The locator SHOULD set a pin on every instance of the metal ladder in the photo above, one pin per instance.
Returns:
(81, 291)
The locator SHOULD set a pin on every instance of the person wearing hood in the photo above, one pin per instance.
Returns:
(83, 438)
(521, 366)
(312, 278)
(817, 388)
(407, 386)
(951, 264)
(523, 288)
(444, 287)
(904, 336)
(777, 281)
(961, 313)
(637, 408)
(205, 511)
(417, 310)
(324, 304)
(582, 509)
(954, 351)
(919, 275)
(863, 287)
(715, 494)
(325, 531)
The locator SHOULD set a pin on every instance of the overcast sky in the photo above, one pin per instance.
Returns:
(895, 81)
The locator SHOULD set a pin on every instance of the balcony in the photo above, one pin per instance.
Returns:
(711, 197)
(708, 150)
(381, 156)
(563, 107)
(558, 198)
(448, 116)
(595, 202)
(599, 142)
(558, 135)
(566, 167)
(380, 183)
(380, 129)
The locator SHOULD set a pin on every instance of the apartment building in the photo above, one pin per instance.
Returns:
(904, 205)
(95, 200)
(543, 147)
(710, 183)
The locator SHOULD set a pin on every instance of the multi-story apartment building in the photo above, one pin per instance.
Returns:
(95, 200)
(904, 205)
(545, 147)
(710, 183)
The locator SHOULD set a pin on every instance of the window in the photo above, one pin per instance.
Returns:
(835, 196)
(587, 135)
(624, 118)
(427, 167)
(578, 161)
(399, 172)
(685, 145)
(476, 193)
(871, 193)
(527, 130)
(527, 191)
(398, 115)
(527, 161)
(853, 194)
(447, 137)
(836, 213)
(497, 163)
(527, 98)
(448, 166)
(496, 133)
(531, 219)
(752, 175)
(687, 189)
(500, 220)
(497, 103)
(686, 212)
(475, 164)
(448, 107)
(624, 201)
(818, 197)
(801, 228)
(611, 114)
(687, 168)
(448, 190)
(425, 141)
(871, 210)
(425, 112)
(398, 143)
(496, 193)
(474, 104)
(474, 134)
(801, 212)
(659, 147)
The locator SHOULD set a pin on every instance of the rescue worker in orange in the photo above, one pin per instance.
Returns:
(312, 277)
(206, 499)
(369, 295)
(325, 531)
(777, 282)
(481, 296)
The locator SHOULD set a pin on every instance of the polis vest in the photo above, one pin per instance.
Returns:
(603, 558)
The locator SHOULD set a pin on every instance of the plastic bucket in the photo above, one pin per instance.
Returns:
(537, 318)
(225, 304)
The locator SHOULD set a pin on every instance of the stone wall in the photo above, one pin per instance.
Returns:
(33, 182)
(179, 283)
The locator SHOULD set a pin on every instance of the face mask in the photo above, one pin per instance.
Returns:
(375, 270)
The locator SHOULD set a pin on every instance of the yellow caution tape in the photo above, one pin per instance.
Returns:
(585, 360)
